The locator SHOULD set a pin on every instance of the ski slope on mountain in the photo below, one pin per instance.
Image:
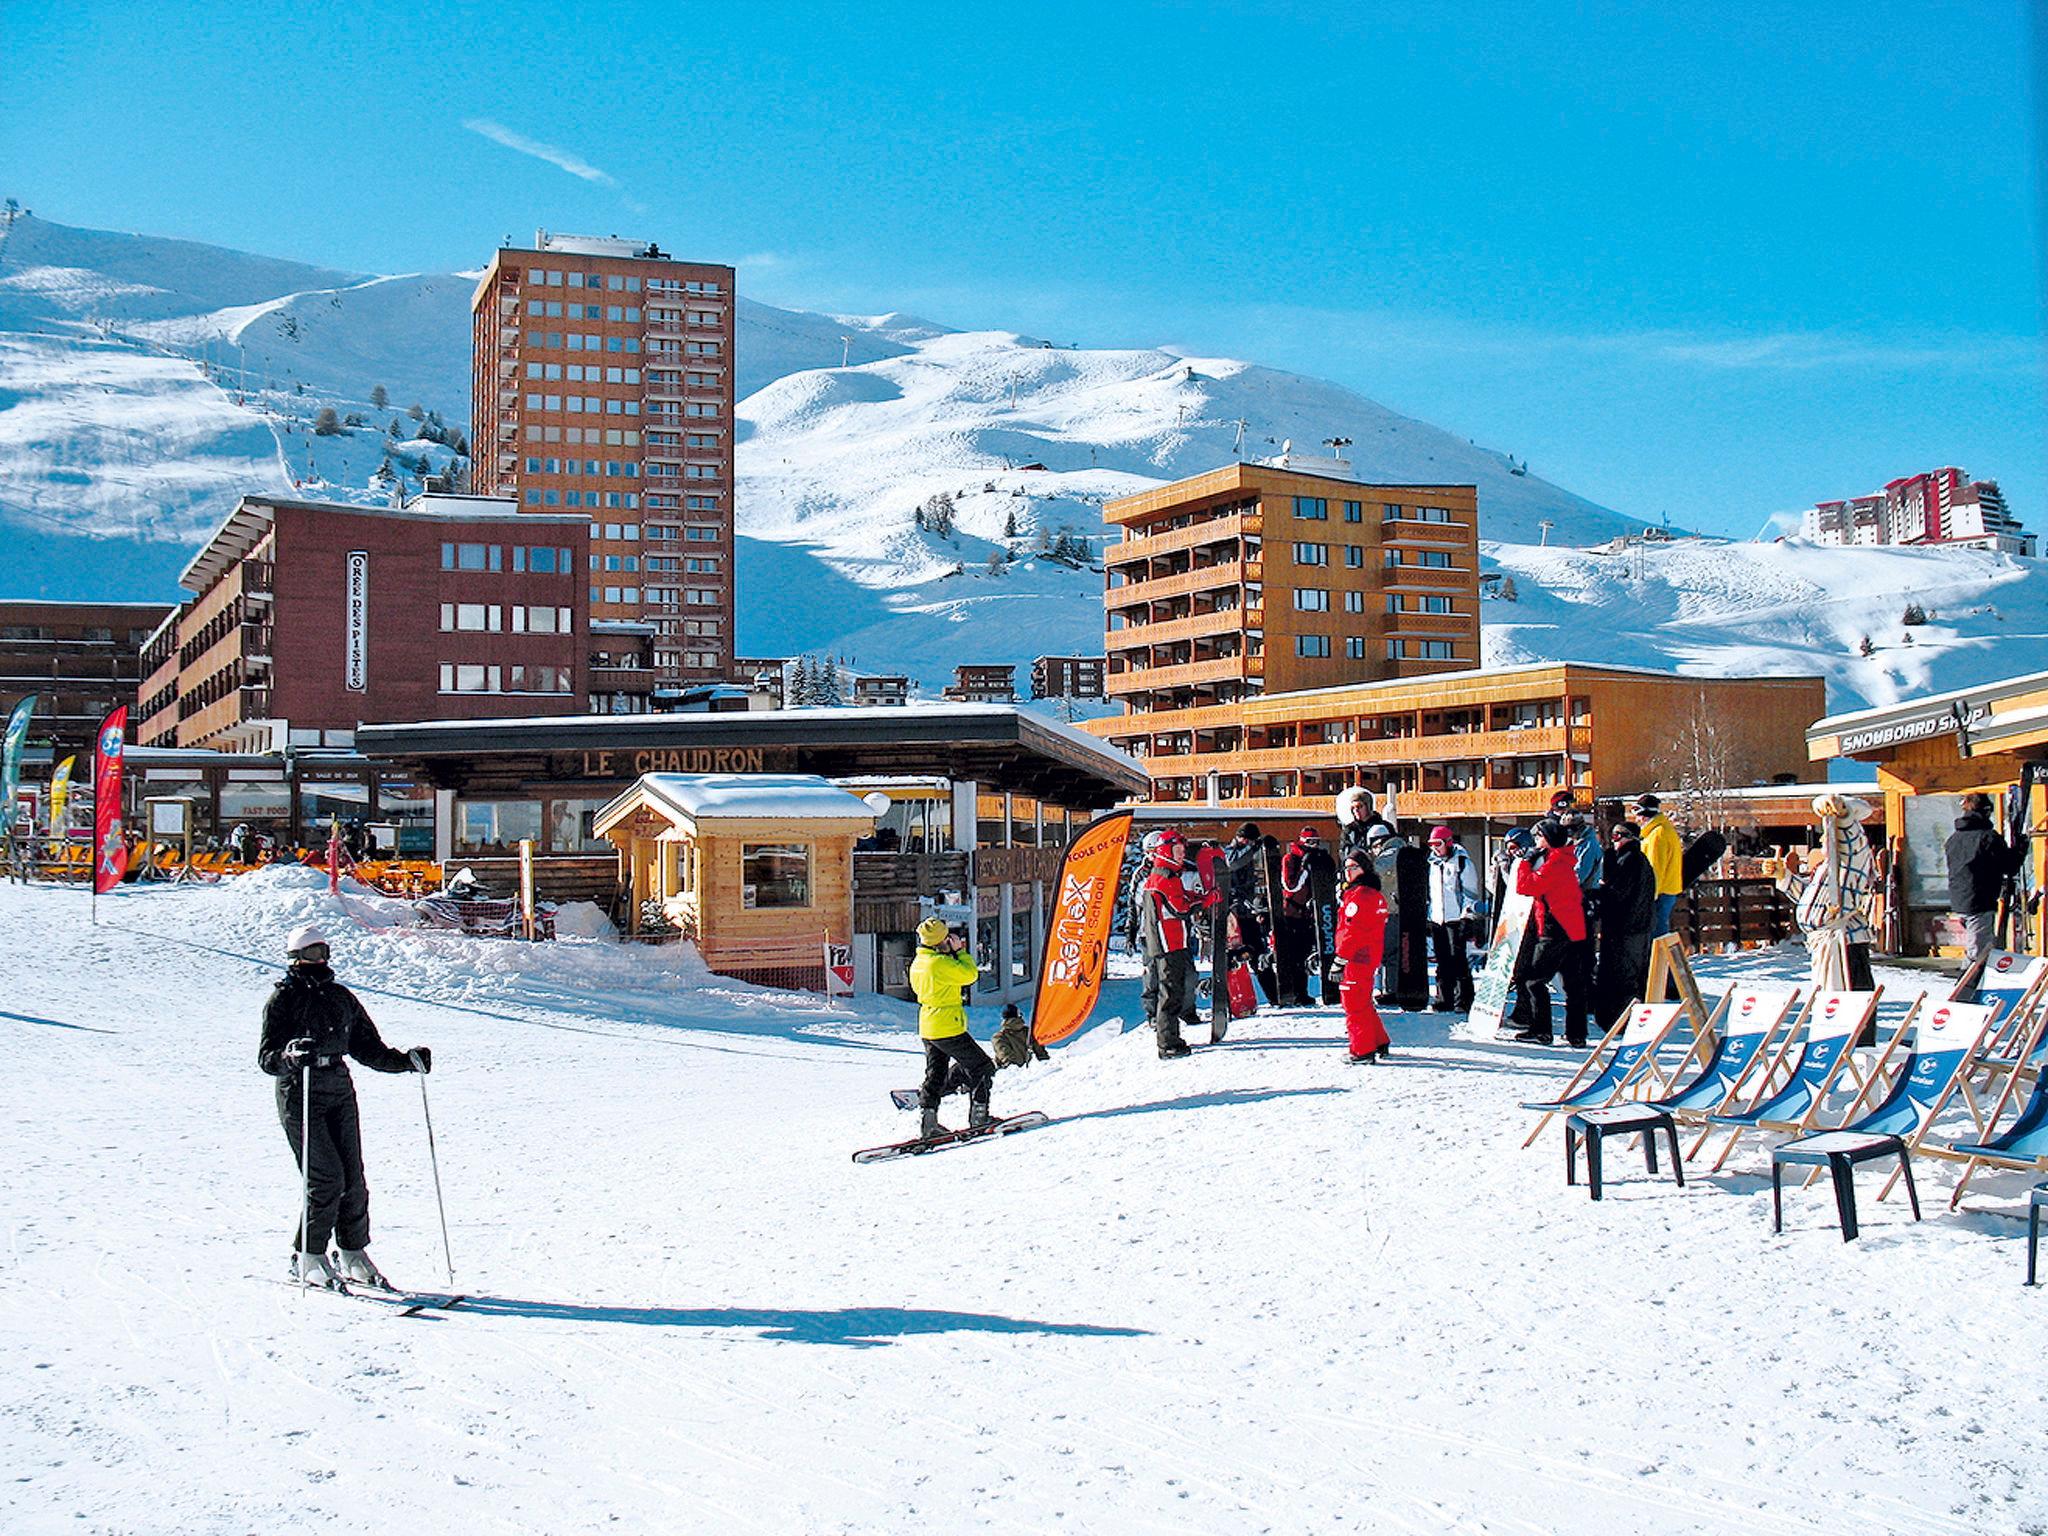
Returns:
(145, 383)
(1254, 1290)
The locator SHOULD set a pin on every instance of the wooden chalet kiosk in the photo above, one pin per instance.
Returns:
(1929, 753)
(755, 869)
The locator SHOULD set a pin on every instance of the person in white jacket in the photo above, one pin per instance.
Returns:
(1454, 898)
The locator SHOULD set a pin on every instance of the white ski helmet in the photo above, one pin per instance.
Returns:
(305, 936)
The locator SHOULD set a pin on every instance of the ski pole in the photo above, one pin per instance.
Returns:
(305, 1162)
(434, 1160)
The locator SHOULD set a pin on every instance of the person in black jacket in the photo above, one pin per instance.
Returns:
(1628, 900)
(311, 1023)
(1979, 863)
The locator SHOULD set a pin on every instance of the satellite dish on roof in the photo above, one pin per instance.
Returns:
(877, 802)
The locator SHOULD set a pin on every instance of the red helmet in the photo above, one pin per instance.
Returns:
(1171, 851)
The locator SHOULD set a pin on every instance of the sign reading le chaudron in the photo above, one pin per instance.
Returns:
(631, 762)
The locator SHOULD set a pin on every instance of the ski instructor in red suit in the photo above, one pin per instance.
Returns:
(1361, 936)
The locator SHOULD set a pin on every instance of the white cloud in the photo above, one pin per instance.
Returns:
(519, 143)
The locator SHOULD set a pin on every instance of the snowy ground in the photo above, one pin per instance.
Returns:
(1258, 1290)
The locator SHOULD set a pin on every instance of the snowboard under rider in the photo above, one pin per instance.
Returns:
(942, 968)
(310, 1025)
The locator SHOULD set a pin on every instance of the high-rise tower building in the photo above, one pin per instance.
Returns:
(602, 381)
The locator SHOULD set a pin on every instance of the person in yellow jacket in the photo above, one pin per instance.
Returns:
(1666, 853)
(942, 968)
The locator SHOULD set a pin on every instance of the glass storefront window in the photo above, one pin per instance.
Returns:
(495, 827)
(405, 802)
(775, 875)
(987, 933)
(1020, 945)
(1023, 821)
(569, 823)
(266, 807)
(320, 804)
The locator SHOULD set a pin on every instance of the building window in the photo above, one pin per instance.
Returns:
(1437, 605)
(463, 677)
(1312, 509)
(1354, 511)
(1311, 645)
(775, 875)
(1354, 602)
(1311, 554)
(1389, 511)
(1311, 600)
(1436, 650)
(1354, 556)
(1436, 559)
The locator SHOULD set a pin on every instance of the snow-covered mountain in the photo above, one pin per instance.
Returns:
(145, 383)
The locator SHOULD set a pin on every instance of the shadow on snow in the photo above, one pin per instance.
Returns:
(851, 1327)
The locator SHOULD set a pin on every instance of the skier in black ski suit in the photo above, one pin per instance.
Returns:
(313, 1021)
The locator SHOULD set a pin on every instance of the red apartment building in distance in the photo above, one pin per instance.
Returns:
(80, 660)
(602, 382)
(309, 619)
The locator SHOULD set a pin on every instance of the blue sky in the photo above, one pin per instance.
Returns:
(1710, 261)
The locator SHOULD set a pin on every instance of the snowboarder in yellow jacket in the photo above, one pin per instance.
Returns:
(1666, 853)
(938, 975)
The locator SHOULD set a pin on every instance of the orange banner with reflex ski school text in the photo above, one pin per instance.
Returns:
(1077, 935)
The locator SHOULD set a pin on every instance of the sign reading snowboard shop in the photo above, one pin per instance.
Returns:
(355, 654)
(1490, 987)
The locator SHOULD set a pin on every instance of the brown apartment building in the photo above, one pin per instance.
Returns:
(80, 660)
(1256, 579)
(603, 385)
(309, 619)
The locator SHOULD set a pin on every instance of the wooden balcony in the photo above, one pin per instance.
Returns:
(1427, 578)
(1466, 746)
(1161, 722)
(1186, 674)
(1224, 621)
(1135, 547)
(1225, 575)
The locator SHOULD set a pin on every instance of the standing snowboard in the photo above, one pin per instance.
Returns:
(1411, 962)
(1322, 903)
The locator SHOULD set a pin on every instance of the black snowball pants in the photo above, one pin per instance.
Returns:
(955, 1054)
(340, 1203)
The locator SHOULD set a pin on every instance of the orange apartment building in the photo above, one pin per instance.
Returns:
(1478, 745)
(602, 381)
(1255, 579)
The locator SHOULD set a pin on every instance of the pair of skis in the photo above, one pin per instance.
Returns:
(404, 1303)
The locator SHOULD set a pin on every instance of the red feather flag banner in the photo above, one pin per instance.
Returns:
(109, 839)
(1077, 937)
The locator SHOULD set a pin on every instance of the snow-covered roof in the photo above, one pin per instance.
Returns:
(753, 796)
(1981, 693)
(1511, 669)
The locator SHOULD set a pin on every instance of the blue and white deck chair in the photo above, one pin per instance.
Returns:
(2020, 984)
(2023, 1144)
(1630, 1064)
(1750, 1019)
(1833, 1021)
(1943, 1042)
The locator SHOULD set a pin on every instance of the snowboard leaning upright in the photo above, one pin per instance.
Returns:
(1411, 960)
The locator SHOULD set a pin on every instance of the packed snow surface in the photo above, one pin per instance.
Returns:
(1255, 1290)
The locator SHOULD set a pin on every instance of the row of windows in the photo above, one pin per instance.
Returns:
(672, 285)
(628, 469)
(552, 310)
(694, 597)
(1316, 509)
(695, 566)
(583, 373)
(581, 341)
(542, 559)
(465, 677)
(613, 500)
(613, 437)
(1319, 554)
(1428, 603)
(689, 503)
(689, 472)
(1428, 559)
(558, 278)
(1314, 646)
(489, 618)
(669, 378)
(595, 405)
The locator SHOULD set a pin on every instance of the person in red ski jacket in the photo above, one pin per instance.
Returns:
(1552, 878)
(1167, 913)
(1361, 936)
